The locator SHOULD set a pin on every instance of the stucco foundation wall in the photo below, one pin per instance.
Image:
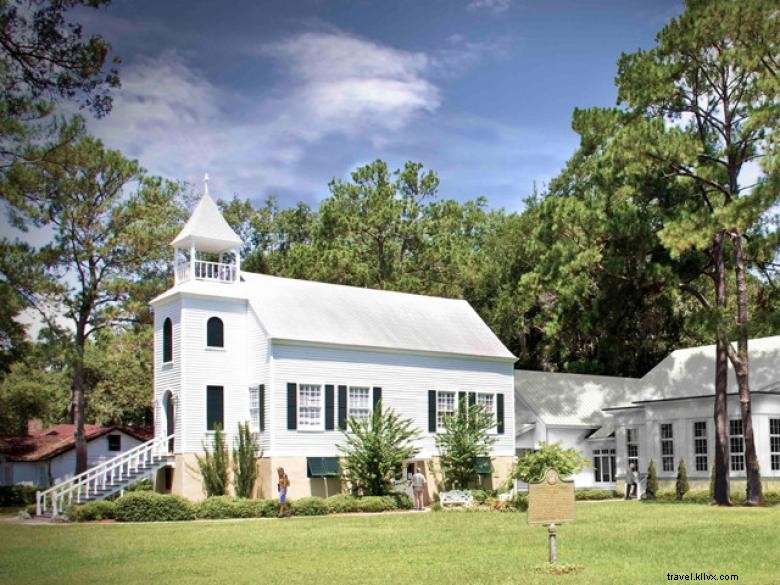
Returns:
(187, 480)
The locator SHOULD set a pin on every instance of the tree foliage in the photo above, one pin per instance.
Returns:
(374, 449)
(213, 465)
(466, 437)
(531, 466)
(681, 486)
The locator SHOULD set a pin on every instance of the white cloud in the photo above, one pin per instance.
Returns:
(494, 6)
(179, 124)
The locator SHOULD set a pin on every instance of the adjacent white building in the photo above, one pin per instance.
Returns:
(297, 358)
(666, 415)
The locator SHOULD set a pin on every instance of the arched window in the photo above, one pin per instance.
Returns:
(215, 336)
(167, 341)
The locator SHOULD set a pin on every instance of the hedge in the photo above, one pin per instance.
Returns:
(153, 507)
(590, 495)
(311, 506)
(771, 498)
(92, 511)
(230, 507)
(17, 495)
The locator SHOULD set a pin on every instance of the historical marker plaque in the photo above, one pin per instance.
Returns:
(551, 500)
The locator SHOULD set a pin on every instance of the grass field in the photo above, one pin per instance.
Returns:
(616, 542)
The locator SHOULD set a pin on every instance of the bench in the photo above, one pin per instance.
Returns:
(456, 498)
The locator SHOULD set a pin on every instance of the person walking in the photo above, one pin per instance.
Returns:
(632, 481)
(418, 485)
(281, 487)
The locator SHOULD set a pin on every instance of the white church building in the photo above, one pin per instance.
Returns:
(297, 358)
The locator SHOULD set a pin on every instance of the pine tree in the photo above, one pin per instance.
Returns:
(652, 482)
(681, 485)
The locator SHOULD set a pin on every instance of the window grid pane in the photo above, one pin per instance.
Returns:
(445, 406)
(667, 447)
(774, 443)
(254, 408)
(604, 465)
(736, 445)
(488, 402)
(632, 447)
(359, 402)
(309, 406)
(700, 445)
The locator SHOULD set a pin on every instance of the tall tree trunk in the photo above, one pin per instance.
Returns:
(741, 364)
(78, 400)
(722, 493)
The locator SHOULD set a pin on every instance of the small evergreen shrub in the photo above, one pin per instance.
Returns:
(651, 488)
(31, 509)
(17, 495)
(213, 465)
(93, 511)
(311, 506)
(218, 507)
(772, 498)
(402, 501)
(256, 508)
(501, 505)
(341, 504)
(681, 485)
(245, 462)
(520, 502)
(666, 496)
(376, 504)
(479, 496)
(697, 497)
(153, 507)
(589, 495)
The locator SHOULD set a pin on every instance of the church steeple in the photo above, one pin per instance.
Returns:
(207, 248)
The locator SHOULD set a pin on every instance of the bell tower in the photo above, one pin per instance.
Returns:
(207, 248)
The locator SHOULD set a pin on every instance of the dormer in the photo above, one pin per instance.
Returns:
(207, 248)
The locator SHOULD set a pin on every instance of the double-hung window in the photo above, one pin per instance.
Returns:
(667, 447)
(359, 402)
(488, 402)
(774, 443)
(632, 448)
(215, 407)
(446, 402)
(736, 445)
(700, 445)
(310, 408)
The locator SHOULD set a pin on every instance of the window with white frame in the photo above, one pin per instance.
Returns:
(254, 408)
(359, 402)
(445, 406)
(700, 445)
(604, 465)
(774, 443)
(667, 447)
(488, 402)
(632, 448)
(736, 445)
(310, 406)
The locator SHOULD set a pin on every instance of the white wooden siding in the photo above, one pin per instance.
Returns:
(404, 378)
(226, 367)
(167, 376)
(258, 360)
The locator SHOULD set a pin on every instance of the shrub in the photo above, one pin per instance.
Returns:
(590, 495)
(213, 465)
(142, 485)
(532, 465)
(341, 504)
(17, 495)
(772, 498)
(218, 507)
(520, 502)
(466, 437)
(245, 462)
(402, 501)
(92, 511)
(681, 485)
(501, 505)
(311, 506)
(374, 448)
(31, 509)
(479, 495)
(697, 497)
(153, 507)
(257, 508)
(666, 496)
(652, 482)
(376, 504)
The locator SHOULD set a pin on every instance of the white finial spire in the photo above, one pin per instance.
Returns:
(206, 184)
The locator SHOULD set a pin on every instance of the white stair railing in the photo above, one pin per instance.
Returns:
(107, 474)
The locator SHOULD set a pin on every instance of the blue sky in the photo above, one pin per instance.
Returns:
(279, 97)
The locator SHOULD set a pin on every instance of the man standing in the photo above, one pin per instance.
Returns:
(632, 481)
(418, 485)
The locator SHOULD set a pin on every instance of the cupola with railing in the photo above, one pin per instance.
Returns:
(207, 248)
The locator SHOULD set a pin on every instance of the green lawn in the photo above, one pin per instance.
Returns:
(617, 542)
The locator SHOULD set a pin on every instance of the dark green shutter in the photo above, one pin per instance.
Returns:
(261, 405)
(292, 406)
(215, 411)
(472, 398)
(377, 395)
(343, 408)
(167, 341)
(329, 426)
(431, 411)
(500, 414)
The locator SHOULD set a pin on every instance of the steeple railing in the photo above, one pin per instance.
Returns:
(205, 270)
